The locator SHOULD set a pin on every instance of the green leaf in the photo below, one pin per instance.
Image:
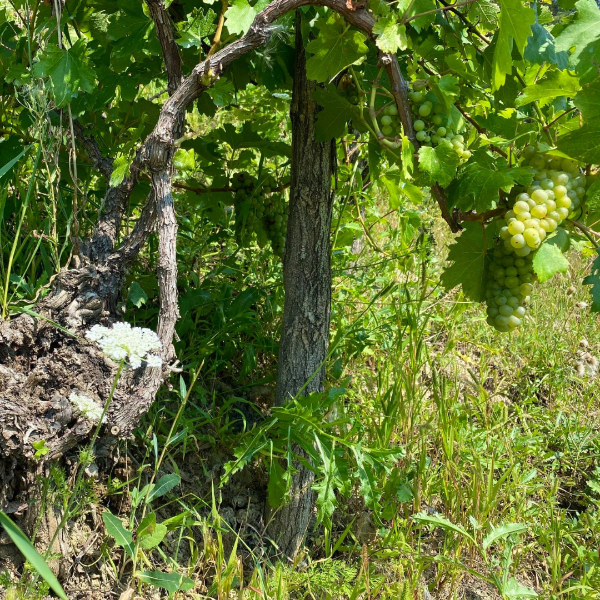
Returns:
(515, 27)
(391, 36)
(439, 163)
(137, 296)
(172, 582)
(198, 26)
(279, 482)
(128, 30)
(593, 279)
(163, 486)
(334, 49)
(239, 16)
(513, 590)
(447, 90)
(150, 533)
(481, 179)
(503, 531)
(122, 536)
(26, 548)
(583, 34)
(541, 48)
(337, 111)
(121, 166)
(484, 13)
(11, 163)
(557, 84)
(468, 258)
(584, 143)
(68, 70)
(442, 522)
(548, 261)
(184, 160)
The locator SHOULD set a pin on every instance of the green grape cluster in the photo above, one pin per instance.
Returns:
(431, 125)
(557, 189)
(510, 283)
(260, 213)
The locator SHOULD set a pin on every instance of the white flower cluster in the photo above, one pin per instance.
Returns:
(88, 408)
(124, 342)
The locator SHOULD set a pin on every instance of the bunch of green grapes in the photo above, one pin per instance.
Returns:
(558, 188)
(510, 283)
(260, 214)
(275, 222)
(431, 125)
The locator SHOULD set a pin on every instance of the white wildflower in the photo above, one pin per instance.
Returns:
(87, 407)
(124, 342)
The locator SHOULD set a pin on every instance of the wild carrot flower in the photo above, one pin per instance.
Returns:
(124, 342)
(88, 408)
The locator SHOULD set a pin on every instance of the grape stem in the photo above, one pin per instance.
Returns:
(479, 128)
(589, 234)
(560, 117)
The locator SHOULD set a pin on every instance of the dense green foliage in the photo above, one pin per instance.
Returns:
(481, 475)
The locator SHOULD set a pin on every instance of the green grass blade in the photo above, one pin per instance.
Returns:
(31, 554)
(10, 164)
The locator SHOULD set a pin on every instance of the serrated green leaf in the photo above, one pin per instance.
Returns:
(583, 33)
(408, 161)
(439, 163)
(391, 36)
(447, 90)
(548, 261)
(516, 20)
(26, 548)
(584, 143)
(484, 14)
(334, 49)
(184, 160)
(468, 256)
(198, 26)
(115, 528)
(121, 166)
(556, 85)
(442, 522)
(68, 70)
(239, 16)
(479, 182)
(163, 486)
(337, 111)
(593, 279)
(503, 531)
(137, 295)
(172, 582)
(541, 48)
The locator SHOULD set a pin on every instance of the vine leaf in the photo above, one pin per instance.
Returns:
(240, 15)
(556, 85)
(584, 143)
(480, 181)
(333, 50)
(196, 28)
(515, 28)
(593, 279)
(469, 263)
(541, 48)
(439, 163)
(391, 37)
(548, 261)
(337, 111)
(121, 166)
(68, 70)
(584, 35)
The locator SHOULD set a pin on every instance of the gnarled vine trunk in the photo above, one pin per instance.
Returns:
(307, 282)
